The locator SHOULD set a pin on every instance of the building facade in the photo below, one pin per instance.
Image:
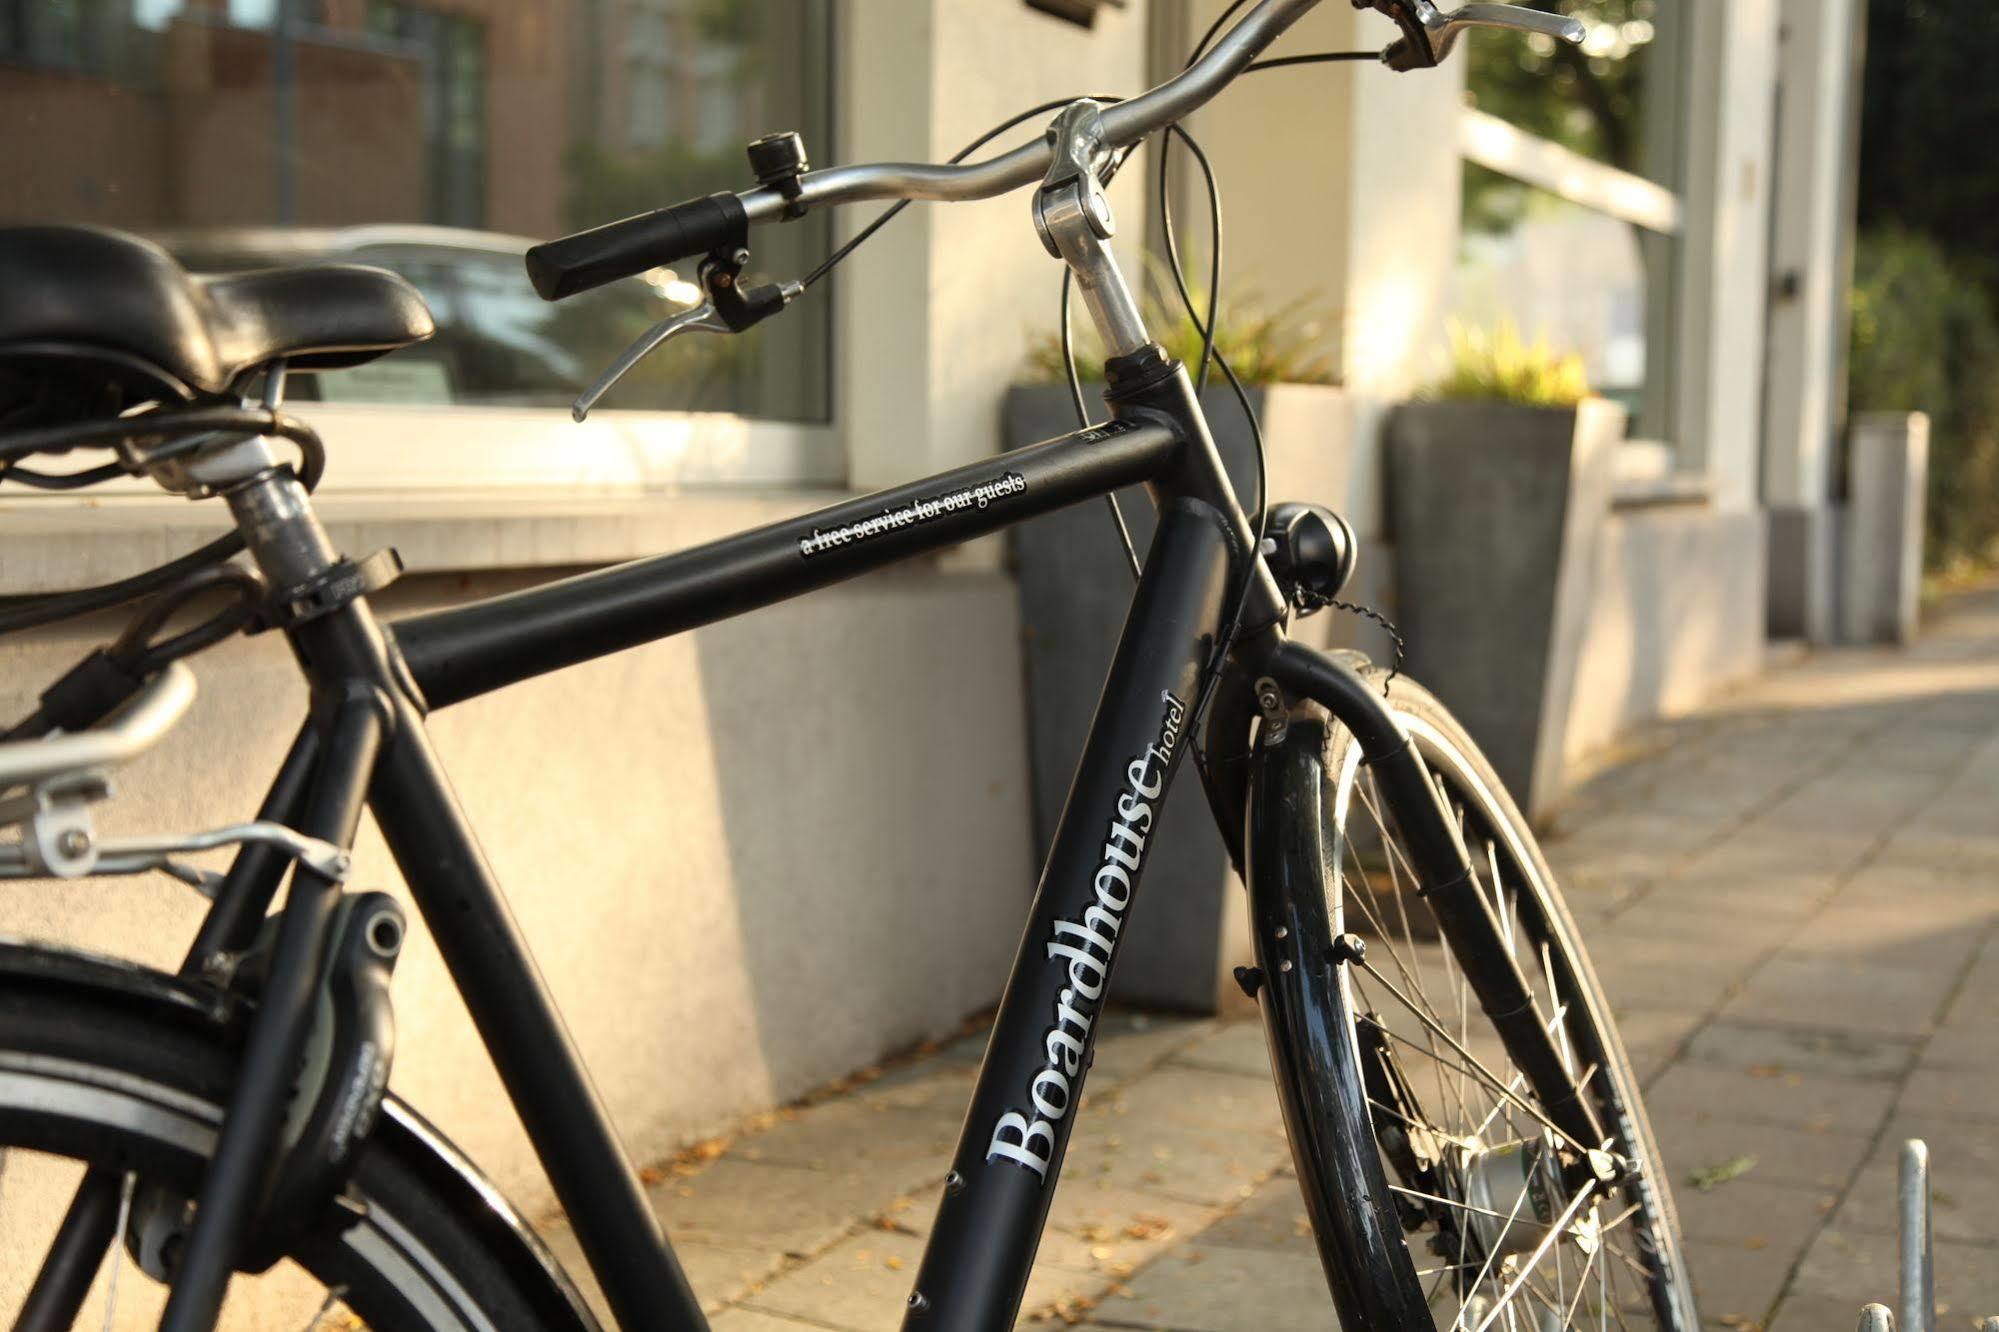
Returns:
(757, 857)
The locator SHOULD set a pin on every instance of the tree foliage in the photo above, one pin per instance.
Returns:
(1924, 340)
(1926, 280)
(1929, 116)
(1588, 99)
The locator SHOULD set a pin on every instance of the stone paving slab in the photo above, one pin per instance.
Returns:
(1792, 898)
(1770, 1094)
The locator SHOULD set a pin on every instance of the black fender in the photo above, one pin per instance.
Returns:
(399, 1130)
(1308, 1017)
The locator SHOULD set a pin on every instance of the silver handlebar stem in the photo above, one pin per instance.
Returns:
(1124, 123)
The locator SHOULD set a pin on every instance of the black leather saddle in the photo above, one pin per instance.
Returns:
(90, 303)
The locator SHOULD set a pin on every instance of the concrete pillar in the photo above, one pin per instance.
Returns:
(1819, 78)
(1342, 182)
(1888, 456)
(935, 313)
(1732, 68)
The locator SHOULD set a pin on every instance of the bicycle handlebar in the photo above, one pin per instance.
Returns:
(560, 268)
(1124, 123)
(588, 259)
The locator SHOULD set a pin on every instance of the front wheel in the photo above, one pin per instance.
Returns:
(1440, 1193)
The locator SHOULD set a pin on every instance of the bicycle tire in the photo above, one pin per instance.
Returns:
(91, 1079)
(1313, 864)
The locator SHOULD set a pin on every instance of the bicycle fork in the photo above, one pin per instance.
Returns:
(1449, 883)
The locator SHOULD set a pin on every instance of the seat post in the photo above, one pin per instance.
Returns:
(284, 535)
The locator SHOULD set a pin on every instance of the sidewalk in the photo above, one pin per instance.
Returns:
(1791, 898)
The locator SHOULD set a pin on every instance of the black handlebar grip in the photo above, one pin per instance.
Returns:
(560, 268)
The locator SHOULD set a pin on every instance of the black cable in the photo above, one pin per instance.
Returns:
(1083, 422)
(833, 260)
(827, 264)
(1315, 58)
(106, 431)
(1214, 28)
(251, 420)
(60, 480)
(50, 610)
(1219, 658)
(1206, 328)
(135, 648)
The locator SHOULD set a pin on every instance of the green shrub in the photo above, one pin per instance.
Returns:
(1498, 365)
(1284, 344)
(1924, 339)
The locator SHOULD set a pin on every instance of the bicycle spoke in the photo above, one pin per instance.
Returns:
(118, 1250)
(1492, 1251)
(333, 1297)
(1482, 1121)
(1491, 1078)
(1554, 1233)
(1401, 890)
(1370, 908)
(1582, 1289)
(1465, 1206)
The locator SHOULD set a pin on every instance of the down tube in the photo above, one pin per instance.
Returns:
(1003, 1178)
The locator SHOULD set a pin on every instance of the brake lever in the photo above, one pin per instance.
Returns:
(703, 318)
(1428, 34)
(726, 308)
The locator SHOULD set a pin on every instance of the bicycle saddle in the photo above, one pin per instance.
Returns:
(88, 301)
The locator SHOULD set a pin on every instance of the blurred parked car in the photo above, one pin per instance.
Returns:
(497, 343)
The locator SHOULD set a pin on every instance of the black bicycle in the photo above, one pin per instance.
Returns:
(1466, 1128)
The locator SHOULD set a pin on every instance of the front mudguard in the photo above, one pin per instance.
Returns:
(399, 1131)
(1309, 1018)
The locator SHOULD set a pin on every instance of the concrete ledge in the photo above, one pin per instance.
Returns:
(51, 544)
(1804, 558)
(1677, 612)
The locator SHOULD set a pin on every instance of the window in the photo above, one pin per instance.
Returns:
(1612, 99)
(438, 138)
(1571, 194)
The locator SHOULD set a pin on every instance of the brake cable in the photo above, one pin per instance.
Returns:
(54, 608)
(827, 264)
(90, 690)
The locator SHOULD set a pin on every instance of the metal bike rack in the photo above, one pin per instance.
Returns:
(1917, 1300)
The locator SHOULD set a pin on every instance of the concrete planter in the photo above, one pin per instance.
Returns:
(1497, 512)
(1075, 587)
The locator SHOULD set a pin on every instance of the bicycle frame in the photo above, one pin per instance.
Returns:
(372, 685)
(379, 681)
(1203, 583)
(1002, 1178)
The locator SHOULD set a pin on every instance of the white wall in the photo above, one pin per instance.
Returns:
(1342, 182)
(1672, 618)
(937, 312)
(748, 859)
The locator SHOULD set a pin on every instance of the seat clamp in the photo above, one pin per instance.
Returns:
(328, 590)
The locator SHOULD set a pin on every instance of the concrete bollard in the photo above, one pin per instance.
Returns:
(1876, 1318)
(1888, 460)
